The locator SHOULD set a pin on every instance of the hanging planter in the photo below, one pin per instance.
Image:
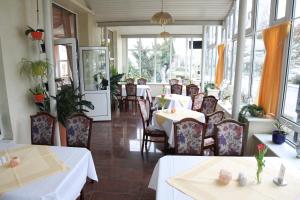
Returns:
(35, 34)
(38, 94)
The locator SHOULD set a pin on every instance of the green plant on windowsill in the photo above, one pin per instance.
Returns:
(250, 110)
(34, 69)
(210, 86)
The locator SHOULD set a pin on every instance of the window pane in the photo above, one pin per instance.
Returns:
(163, 60)
(291, 107)
(246, 70)
(280, 9)
(147, 43)
(229, 61)
(259, 58)
(236, 17)
(133, 64)
(178, 62)
(133, 43)
(233, 61)
(147, 65)
(249, 14)
(297, 8)
(196, 61)
(263, 14)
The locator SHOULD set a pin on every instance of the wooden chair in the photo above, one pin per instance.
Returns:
(79, 129)
(211, 120)
(189, 136)
(119, 95)
(173, 81)
(197, 101)
(176, 89)
(209, 105)
(152, 108)
(42, 129)
(130, 80)
(130, 95)
(230, 137)
(192, 90)
(150, 132)
(142, 81)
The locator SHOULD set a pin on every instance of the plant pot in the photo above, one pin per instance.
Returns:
(36, 35)
(39, 98)
(278, 137)
(63, 135)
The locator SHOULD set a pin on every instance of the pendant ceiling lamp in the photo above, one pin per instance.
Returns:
(165, 34)
(162, 17)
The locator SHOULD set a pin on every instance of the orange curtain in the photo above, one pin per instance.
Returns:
(220, 66)
(274, 40)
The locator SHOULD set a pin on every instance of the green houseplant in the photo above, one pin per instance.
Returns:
(250, 110)
(209, 85)
(38, 93)
(278, 135)
(114, 80)
(34, 69)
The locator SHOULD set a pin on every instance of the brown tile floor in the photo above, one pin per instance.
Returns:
(123, 172)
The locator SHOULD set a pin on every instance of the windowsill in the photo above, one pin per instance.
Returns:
(6, 141)
(226, 106)
(284, 151)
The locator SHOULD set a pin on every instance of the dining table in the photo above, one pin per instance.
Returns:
(164, 120)
(140, 90)
(45, 172)
(175, 101)
(196, 177)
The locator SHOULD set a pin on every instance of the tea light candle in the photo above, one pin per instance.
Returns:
(15, 161)
(224, 177)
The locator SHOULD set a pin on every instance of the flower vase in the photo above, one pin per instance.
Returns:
(258, 176)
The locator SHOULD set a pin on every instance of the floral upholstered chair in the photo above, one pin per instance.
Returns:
(173, 81)
(211, 120)
(176, 89)
(209, 105)
(42, 129)
(230, 138)
(130, 95)
(189, 137)
(79, 129)
(149, 131)
(197, 101)
(192, 90)
(130, 80)
(142, 81)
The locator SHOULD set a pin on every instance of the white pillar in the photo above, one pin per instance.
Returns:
(239, 59)
(204, 39)
(47, 6)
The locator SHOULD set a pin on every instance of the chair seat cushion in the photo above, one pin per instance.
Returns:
(209, 141)
(151, 130)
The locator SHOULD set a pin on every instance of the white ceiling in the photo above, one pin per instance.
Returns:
(139, 10)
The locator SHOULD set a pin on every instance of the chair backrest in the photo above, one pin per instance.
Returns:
(130, 89)
(209, 105)
(79, 129)
(149, 96)
(130, 80)
(197, 101)
(42, 129)
(143, 112)
(176, 89)
(230, 136)
(211, 120)
(142, 81)
(119, 90)
(173, 81)
(192, 90)
(189, 137)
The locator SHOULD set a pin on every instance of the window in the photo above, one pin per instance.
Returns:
(236, 16)
(258, 61)
(297, 8)
(247, 69)
(249, 14)
(158, 59)
(280, 9)
(263, 14)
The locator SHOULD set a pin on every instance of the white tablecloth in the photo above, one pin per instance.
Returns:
(168, 126)
(167, 167)
(175, 101)
(140, 90)
(66, 185)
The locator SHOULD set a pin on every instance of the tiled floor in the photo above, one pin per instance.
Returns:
(123, 173)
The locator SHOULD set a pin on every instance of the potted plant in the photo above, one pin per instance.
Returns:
(278, 135)
(34, 68)
(69, 100)
(38, 94)
(36, 34)
(250, 110)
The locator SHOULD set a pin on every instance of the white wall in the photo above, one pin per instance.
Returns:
(15, 102)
